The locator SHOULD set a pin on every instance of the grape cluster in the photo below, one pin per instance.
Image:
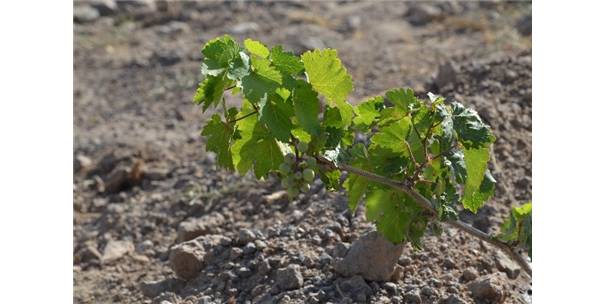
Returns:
(297, 175)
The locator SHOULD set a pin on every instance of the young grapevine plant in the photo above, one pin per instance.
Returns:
(414, 162)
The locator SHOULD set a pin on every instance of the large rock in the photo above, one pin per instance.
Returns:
(355, 287)
(193, 228)
(372, 256)
(114, 250)
(289, 277)
(187, 259)
(487, 288)
(505, 264)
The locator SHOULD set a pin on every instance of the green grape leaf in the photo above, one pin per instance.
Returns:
(301, 135)
(367, 111)
(239, 67)
(256, 148)
(485, 191)
(263, 68)
(517, 228)
(455, 160)
(403, 99)
(210, 91)
(393, 136)
(395, 215)
(264, 80)
(472, 132)
(218, 53)
(356, 187)
(219, 136)
(275, 113)
(285, 62)
(476, 163)
(256, 48)
(385, 162)
(307, 107)
(391, 114)
(329, 77)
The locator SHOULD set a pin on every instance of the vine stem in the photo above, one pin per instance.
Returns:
(427, 205)
(243, 117)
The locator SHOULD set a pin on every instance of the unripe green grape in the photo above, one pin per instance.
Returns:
(311, 162)
(308, 175)
(302, 146)
(298, 176)
(305, 187)
(290, 180)
(285, 168)
(285, 183)
(289, 158)
(303, 165)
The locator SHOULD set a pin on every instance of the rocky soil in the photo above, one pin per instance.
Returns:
(156, 222)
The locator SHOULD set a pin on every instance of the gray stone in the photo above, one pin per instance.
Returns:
(449, 263)
(412, 297)
(289, 277)
(469, 275)
(372, 256)
(245, 236)
(260, 245)
(324, 259)
(88, 254)
(114, 250)
(297, 215)
(340, 250)
(244, 28)
(452, 299)
(85, 13)
(244, 272)
(391, 288)
(487, 288)
(105, 7)
(428, 292)
(356, 287)
(505, 264)
(173, 28)
(152, 289)
(422, 14)
(145, 246)
(250, 248)
(147, 5)
(82, 163)
(195, 227)
(187, 259)
(264, 267)
(235, 253)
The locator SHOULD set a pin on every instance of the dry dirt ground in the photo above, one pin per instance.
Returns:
(143, 181)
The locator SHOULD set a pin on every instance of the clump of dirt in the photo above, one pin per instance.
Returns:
(143, 183)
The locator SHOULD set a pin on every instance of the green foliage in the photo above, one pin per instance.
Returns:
(397, 216)
(330, 78)
(284, 127)
(517, 228)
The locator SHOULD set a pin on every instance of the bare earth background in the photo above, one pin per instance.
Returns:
(143, 181)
